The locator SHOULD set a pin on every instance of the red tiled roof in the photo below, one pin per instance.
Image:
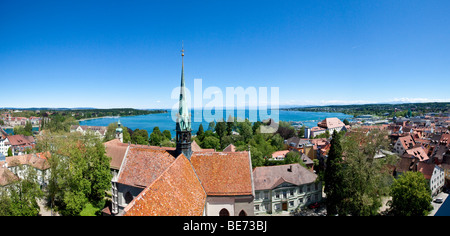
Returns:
(19, 139)
(177, 192)
(116, 150)
(143, 165)
(418, 152)
(224, 173)
(407, 142)
(38, 160)
(426, 169)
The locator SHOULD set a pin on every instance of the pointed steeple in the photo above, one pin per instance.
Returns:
(183, 127)
(184, 121)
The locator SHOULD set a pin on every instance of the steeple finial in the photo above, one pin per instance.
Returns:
(182, 48)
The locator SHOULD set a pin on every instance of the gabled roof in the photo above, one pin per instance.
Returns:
(419, 153)
(426, 169)
(331, 123)
(19, 139)
(196, 148)
(268, 177)
(404, 164)
(116, 150)
(407, 142)
(36, 160)
(224, 173)
(176, 192)
(230, 148)
(143, 165)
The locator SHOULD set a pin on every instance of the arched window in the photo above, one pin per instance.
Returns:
(224, 212)
(128, 197)
(242, 213)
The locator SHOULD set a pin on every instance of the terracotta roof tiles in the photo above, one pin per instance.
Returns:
(177, 192)
(143, 165)
(224, 173)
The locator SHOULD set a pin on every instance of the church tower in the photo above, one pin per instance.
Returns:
(119, 131)
(183, 127)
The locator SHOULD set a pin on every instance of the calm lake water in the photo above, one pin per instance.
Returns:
(165, 122)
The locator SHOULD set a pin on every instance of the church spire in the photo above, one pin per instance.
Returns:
(184, 122)
(183, 127)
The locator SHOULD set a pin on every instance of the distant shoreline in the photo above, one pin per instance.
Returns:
(93, 118)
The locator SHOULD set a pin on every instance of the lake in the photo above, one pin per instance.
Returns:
(164, 120)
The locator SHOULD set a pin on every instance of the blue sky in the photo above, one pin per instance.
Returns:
(108, 54)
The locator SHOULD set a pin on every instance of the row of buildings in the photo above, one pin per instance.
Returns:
(17, 144)
(10, 121)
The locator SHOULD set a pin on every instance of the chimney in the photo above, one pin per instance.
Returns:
(290, 168)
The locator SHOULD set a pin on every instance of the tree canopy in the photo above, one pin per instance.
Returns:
(411, 195)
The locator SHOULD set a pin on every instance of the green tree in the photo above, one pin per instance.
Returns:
(245, 130)
(79, 172)
(211, 126)
(292, 157)
(98, 172)
(256, 126)
(156, 137)
(346, 122)
(111, 132)
(23, 194)
(365, 182)
(334, 176)
(411, 195)
(28, 129)
(139, 136)
(200, 132)
(126, 135)
(285, 130)
(260, 149)
(230, 125)
(221, 129)
(19, 130)
(301, 132)
(167, 135)
(10, 152)
(277, 142)
(211, 142)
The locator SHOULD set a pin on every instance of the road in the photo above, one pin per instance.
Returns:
(436, 206)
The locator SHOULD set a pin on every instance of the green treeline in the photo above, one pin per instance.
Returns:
(380, 109)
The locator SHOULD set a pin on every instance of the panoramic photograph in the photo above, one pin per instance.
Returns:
(225, 108)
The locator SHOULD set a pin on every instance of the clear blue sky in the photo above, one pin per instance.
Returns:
(108, 54)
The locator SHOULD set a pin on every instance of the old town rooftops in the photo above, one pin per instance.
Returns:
(176, 192)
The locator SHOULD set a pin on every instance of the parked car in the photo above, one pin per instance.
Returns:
(438, 200)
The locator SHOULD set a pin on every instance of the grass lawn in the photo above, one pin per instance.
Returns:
(89, 210)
